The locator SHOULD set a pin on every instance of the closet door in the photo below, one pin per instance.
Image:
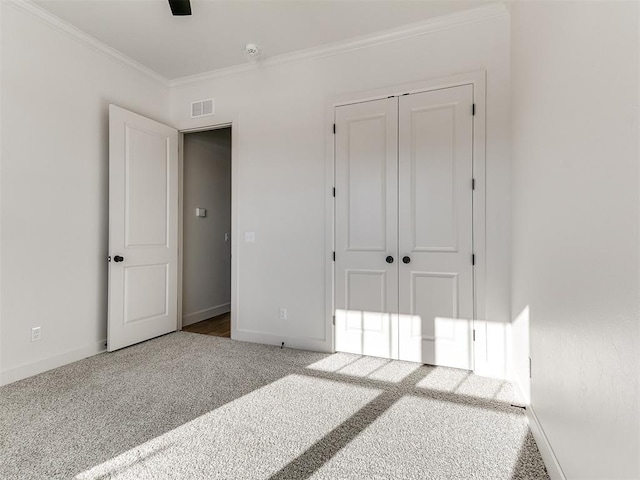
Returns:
(366, 264)
(435, 227)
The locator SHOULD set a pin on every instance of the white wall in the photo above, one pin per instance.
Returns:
(206, 254)
(55, 94)
(575, 228)
(54, 190)
(280, 129)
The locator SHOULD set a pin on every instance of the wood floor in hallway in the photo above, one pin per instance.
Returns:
(219, 326)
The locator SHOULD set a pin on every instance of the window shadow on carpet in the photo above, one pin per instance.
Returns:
(70, 419)
(323, 451)
(225, 409)
(306, 464)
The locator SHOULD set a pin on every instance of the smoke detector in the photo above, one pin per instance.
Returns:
(251, 51)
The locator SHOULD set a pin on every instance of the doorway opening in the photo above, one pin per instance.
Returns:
(206, 232)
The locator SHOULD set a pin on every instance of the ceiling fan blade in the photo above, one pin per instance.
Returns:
(180, 7)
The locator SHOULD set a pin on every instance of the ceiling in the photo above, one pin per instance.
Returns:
(215, 35)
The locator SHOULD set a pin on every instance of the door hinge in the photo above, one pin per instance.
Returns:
(473, 259)
(334, 319)
(473, 109)
(334, 128)
(530, 368)
(473, 184)
(334, 191)
(474, 335)
(334, 256)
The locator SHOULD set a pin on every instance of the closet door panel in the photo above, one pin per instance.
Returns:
(366, 295)
(435, 227)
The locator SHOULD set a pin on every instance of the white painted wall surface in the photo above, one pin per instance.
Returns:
(206, 255)
(55, 94)
(1, 75)
(281, 127)
(575, 228)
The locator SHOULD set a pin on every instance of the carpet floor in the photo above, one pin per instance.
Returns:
(191, 406)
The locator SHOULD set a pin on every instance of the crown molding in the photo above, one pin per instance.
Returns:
(30, 8)
(493, 10)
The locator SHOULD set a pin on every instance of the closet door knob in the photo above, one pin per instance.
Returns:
(406, 259)
(118, 259)
(389, 259)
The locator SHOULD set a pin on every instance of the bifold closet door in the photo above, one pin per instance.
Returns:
(435, 227)
(366, 266)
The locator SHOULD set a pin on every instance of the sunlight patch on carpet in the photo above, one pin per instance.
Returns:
(381, 369)
(250, 437)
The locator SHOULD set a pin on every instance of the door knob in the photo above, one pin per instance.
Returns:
(406, 259)
(389, 259)
(118, 259)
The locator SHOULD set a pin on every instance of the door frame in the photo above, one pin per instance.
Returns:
(478, 80)
(234, 215)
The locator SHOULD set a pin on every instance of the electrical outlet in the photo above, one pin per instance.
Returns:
(283, 314)
(36, 334)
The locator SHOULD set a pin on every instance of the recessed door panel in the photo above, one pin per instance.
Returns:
(146, 185)
(433, 296)
(366, 290)
(366, 295)
(153, 279)
(432, 331)
(365, 325)
(433, 179)
(366, 183)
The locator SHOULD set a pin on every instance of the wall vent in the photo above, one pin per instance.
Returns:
(202, 108)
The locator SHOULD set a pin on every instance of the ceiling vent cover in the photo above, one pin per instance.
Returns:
(202, 108)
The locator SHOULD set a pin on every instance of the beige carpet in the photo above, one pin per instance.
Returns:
(193, 406)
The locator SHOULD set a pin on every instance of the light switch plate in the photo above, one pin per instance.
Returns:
(201, 212)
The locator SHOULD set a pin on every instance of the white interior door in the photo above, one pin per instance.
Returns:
(435, 227)
(366, 286)
(143, 228)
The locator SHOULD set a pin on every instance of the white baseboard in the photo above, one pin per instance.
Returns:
(200, 315)
(298, 343)
(549, 458)
(29, 369)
